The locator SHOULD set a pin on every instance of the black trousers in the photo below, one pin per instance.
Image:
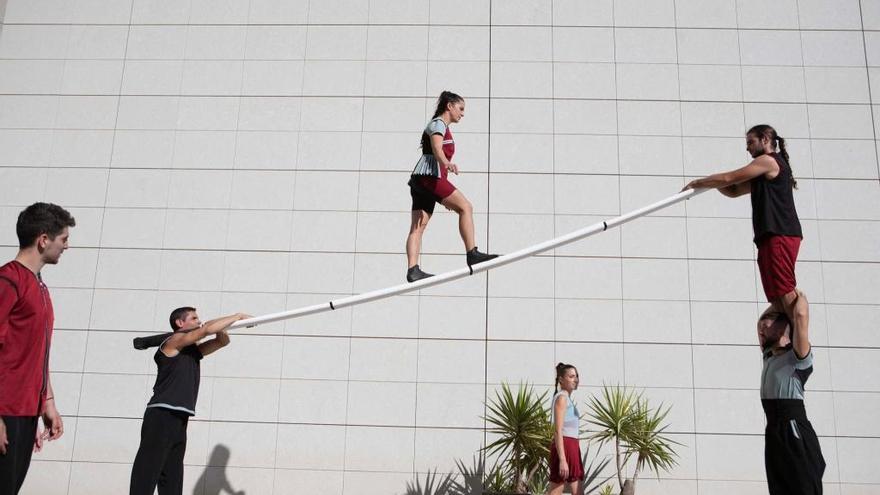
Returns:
(20, 432)
(792, 455)
(159, 460)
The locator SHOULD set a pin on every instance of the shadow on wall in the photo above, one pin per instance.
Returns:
(213, 480)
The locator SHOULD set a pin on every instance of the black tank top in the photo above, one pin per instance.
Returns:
(177, 382)
(773, 211)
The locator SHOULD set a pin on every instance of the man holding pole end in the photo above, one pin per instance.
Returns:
(769, 181)
(159, 460)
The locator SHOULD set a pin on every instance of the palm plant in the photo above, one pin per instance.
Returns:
(524, 432)
(625, 418)
(647, 442)
(613, 414)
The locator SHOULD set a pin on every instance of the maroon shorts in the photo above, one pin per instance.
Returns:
(427, 191)
(572, 449)
(776, 257)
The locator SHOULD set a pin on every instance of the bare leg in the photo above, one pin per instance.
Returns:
(798, 316)
(414, 239)
(460, 204)
(556, 488)
(575, 487)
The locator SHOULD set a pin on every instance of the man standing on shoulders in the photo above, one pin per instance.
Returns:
(159, 460)
(792, 456)
(26, 323)
(769, 181)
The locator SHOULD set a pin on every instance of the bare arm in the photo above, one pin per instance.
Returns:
(801, 331)
(736, 190)
(437, 148)
(220, 340)
(558, 422)
(52, 422)
(182, 339)
(759, 166)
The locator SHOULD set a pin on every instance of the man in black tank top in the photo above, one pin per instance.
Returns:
(159, 460)
(768, 179)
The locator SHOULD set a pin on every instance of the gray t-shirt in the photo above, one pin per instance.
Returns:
(784, 375)
(436, 126)
(427, 164)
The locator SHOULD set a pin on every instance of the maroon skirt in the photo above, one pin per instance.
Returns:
(572, 456)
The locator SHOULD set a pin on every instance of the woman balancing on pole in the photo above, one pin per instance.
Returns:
(768, 178)
(429, 185)
(566, 466)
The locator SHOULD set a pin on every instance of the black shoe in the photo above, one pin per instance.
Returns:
(416, 273)
(474, 256)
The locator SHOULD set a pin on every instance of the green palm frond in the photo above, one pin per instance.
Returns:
(624, 418)
(613, 413)
(498, 480)
(523, 429)
(648, 443)
(539, 482)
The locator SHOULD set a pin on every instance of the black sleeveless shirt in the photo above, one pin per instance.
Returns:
(177, 382)
(773, 211)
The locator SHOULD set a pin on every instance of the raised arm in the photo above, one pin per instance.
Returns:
(220, 340)
(759, 166)
(736, 190)
(801, 331)
(179, 340)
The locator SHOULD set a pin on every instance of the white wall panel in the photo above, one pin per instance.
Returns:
(253, 155)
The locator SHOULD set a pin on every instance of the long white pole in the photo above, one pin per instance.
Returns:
(467, 271)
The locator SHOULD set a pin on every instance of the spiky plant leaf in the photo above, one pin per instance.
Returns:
(647, 441)
(613, 413)
(522, 426)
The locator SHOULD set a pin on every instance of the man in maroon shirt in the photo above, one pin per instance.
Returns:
(26, 321)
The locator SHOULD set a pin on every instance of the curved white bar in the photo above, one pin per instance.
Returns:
(466, 271)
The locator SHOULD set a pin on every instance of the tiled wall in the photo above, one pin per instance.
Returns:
(253, 155)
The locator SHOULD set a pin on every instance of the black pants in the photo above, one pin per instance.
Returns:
(792, 455)
(159, 460)
(20, 432)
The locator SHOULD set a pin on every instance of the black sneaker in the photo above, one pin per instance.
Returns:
(416, 273)
(474, 256)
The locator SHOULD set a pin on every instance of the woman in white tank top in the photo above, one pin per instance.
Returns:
(566, 466)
